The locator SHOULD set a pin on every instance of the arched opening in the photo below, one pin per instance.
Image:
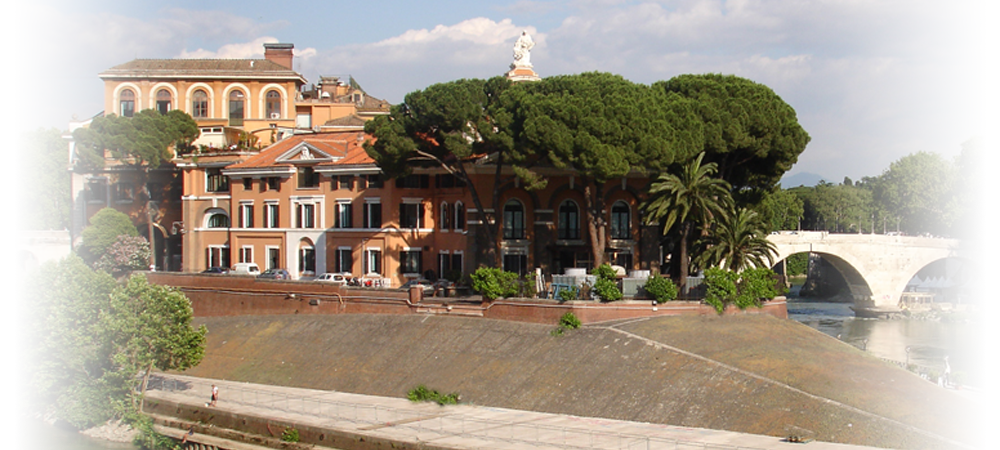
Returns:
(216, 219)
(164, 101)
(621, 221)
(273, 104)
(569, 220)
(126, 103)
(513, 220)
(307, 257)
(237, 100)
(199, 104)
(22, 262)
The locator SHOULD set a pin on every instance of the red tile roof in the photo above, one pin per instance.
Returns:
(200, 68)
(343, 144)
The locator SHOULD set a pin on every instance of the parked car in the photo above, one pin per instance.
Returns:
(333, 278)
(425, 283)
(274, 274)
(246, 269)
(215, 270)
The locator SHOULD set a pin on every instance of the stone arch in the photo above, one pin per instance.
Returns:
(262, 101)
(188, 97)
(156, 88)
(508, 189)
(212, 216)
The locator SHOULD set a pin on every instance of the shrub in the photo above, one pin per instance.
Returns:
(720, 288)
(422, 394)
(661, 288)
(126, 254)
(981, 318)
(959, 377)
(566, 295)
(744, 289)
(290, 435)
(569, 320)
(606, 285)
(494, 283)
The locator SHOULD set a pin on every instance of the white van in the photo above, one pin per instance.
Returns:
(246, 269)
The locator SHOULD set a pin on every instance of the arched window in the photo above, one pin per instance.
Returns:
(307, 256)
(569, 220)
(273, 108)
(199, 104)
(163, 101)
(126, 103)
(513, 220)
(621, 221)
(445, 215)
(218, 220)
(236, 102)
(459, 216)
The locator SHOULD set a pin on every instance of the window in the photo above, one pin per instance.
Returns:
(411, 215)
(373, 214)
(345, 261)
(373, 261)
(343, 218)
(620, 258)
(515, 263)
(459, 216)
(308, 178)
(218, 220)
(273, 184)
(449, 266)
(163, 101)
(247, 184)
(447, 181)
(444, 264)
(271, 215)
(456, 263)
(305, 214)
(273, 108)
(445, 213)
(413, 181)
(409, 261)
(246, 254)
(273, 258)
(569, 220)
(215, 181)
(620, 226)
(307, 257)
(126, 103)
(375, 181)
(199, 104)
(124, 192)
(246, 215)
(513, 220)
(217, 256)
(97, 191)
(344, 182)
(236, 101)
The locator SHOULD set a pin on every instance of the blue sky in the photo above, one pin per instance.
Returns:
(872, 81)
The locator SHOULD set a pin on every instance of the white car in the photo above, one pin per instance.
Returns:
(332, 278)
(245, 269)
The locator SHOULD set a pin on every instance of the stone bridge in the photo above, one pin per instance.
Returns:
(22, 251)
(876, 267)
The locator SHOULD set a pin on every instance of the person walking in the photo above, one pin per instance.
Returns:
(215, 395)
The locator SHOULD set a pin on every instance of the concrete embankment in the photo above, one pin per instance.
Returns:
(752, 374)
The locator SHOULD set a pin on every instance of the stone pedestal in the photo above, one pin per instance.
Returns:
(522, 73)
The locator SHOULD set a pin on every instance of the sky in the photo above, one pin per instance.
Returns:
(871, 81)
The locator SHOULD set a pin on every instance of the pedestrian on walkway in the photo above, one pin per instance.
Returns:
(215, 395)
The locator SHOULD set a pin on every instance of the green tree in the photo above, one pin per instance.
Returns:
(446, 125)
(140, 143)
(920, 190)
(780, 210)
(126, 254)
(49, 196)
(749, 131)
(736, 242)
(149, 326)
(601, 127)
(837, 208)
(691, 199)
(974, 211)
(743, 289)
(104, 230)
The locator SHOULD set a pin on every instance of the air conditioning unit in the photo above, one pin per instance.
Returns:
(275, 116)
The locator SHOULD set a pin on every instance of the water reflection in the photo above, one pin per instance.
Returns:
(928, 341)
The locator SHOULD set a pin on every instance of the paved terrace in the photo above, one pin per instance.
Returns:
(428, 425)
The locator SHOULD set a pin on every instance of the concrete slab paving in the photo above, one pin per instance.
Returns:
(453, 426)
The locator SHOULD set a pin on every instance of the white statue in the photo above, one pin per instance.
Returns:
(522, 50)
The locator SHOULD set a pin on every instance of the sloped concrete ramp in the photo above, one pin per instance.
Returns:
(751, 374)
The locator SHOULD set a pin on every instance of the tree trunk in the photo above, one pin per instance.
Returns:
(682, 262)
(491, 234)
(596, 225)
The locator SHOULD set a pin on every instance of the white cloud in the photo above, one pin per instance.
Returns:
(243, 50)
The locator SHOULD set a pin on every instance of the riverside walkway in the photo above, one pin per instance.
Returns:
(453, 426)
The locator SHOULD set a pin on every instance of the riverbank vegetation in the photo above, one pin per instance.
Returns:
(97, 340)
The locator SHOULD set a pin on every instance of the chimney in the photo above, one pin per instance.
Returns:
(280, 54)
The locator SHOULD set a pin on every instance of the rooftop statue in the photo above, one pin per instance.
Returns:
(522, 50)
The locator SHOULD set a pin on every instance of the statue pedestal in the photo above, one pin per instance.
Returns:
(522, 73)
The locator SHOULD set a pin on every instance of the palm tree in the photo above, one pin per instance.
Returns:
(738, 241)
(694, 197)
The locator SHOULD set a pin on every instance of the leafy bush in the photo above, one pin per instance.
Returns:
(959, 377)
(494, 283)
(743, 289)
(797, 264)
(126, 254)
(661, 288)
(981, 318)
(566, 295)
(103, 231)
(720, 288)
(422, 394)
(606, 285)
(148, 438)
(290, 435)
(569, 320)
